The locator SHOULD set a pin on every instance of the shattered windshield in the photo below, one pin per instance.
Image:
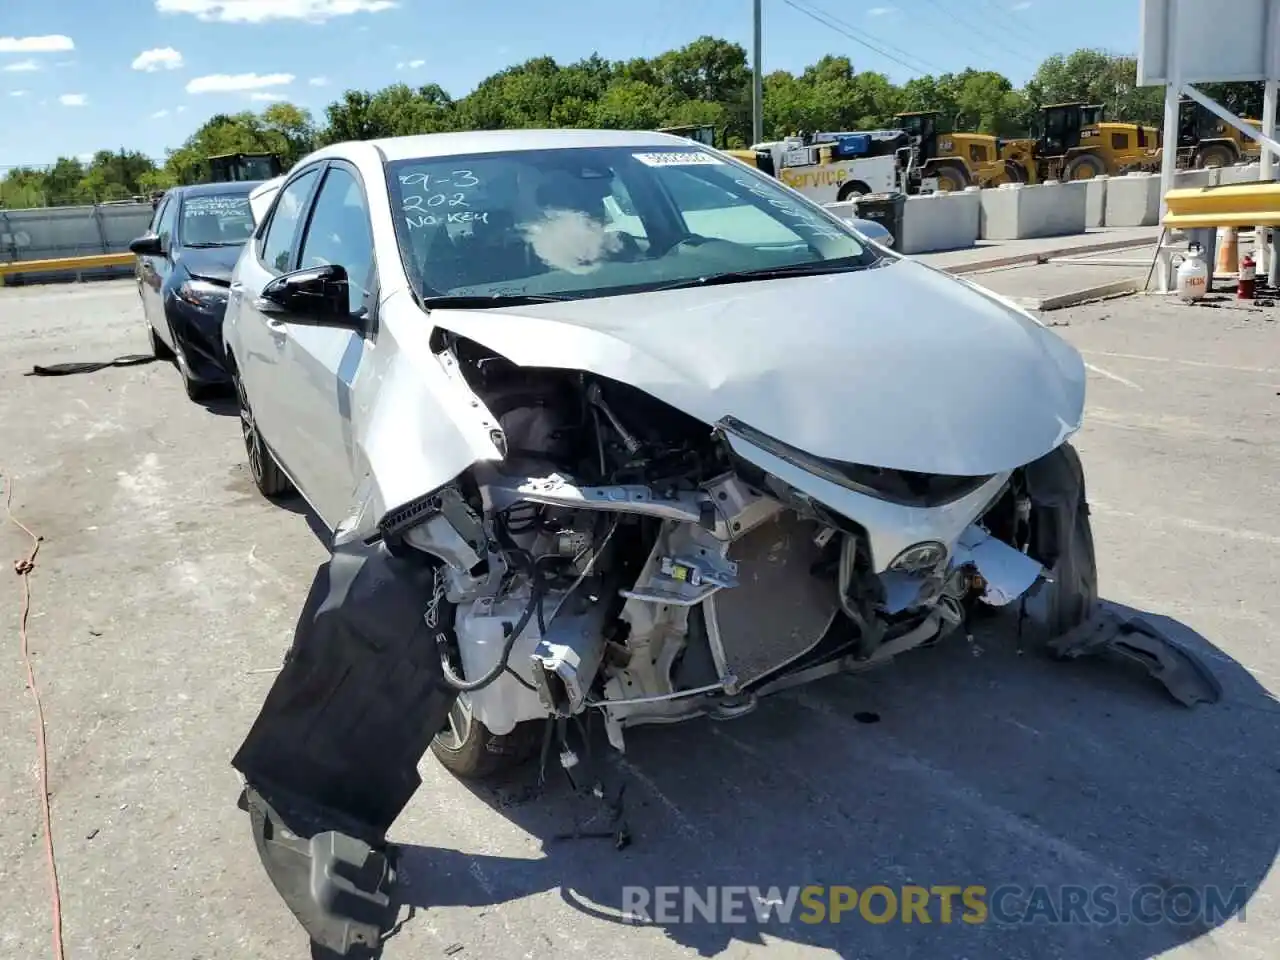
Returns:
(216, 219)
(587, 222)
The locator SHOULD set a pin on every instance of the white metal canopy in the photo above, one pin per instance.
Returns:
(1184, 42)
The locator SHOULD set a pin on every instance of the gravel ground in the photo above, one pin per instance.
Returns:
(166, 590)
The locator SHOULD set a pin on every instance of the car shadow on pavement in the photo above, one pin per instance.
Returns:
(968, 764)
(221, 404)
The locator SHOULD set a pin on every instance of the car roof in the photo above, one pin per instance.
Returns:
(496, 141)
(208, 189)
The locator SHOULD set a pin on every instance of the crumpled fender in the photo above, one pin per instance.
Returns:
(331, 759)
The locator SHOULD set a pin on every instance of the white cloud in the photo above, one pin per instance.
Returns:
(411, 65)
(53, 43)
(21, 66)
(264, 95)
(319, 81)
(17, 93)
(73, 99)
(159, 114)
(260, 11)
(180, 110)
(1024, 5)
(238, 82)
(160, 58)
(879, 11)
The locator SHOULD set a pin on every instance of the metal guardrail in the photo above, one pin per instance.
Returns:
(1254, 204)
(66, 264)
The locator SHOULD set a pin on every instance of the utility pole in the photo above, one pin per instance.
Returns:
(757, 82)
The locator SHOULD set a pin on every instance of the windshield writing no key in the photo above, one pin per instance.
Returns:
(441, 198)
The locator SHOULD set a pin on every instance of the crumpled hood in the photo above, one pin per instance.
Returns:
(900, 366)
(210, 263)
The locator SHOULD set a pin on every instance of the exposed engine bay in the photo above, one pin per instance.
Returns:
(624, 556)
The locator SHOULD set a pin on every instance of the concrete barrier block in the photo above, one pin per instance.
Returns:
(1133, 200)
(1014, 211)
(941, 221)
(844, 209)
(1187, 179)
(1240, 173)
(1095, 201)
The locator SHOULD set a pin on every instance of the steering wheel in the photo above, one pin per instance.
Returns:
(692, 240)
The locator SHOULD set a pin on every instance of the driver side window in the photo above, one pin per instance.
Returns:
(339, 233)
(164, 228)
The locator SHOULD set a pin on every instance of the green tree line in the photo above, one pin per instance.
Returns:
(705, 82)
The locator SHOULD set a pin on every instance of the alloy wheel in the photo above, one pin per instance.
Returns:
(455, 735)
(249, 429)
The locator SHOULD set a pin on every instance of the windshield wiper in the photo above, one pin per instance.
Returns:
(214, 243)
(820, 268)
(478, 302)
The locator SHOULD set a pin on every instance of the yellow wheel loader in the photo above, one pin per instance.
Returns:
(1074, 141)
(1206, 140)
(956, 160)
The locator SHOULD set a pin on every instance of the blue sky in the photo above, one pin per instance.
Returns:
(82, 75)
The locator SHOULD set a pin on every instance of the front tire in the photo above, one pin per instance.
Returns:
(267, 475)
(159, 349)
(470, 751)
(852, 190)
(1215, 155)
(1061, 539)
(1084, 167)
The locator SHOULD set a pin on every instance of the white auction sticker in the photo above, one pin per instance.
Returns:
(666, 159)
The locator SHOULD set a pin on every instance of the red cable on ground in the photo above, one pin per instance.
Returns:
(23, 568)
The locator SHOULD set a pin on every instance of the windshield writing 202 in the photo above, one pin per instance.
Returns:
(440, 198)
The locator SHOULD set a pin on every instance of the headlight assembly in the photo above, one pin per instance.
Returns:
(896, 486)
(203, 294)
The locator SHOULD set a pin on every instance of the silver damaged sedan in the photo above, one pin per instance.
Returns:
(609, 427)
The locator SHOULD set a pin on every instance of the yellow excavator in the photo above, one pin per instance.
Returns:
(1075, 141)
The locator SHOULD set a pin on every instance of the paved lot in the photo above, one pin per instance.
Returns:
(166, 589)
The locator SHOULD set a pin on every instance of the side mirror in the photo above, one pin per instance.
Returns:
(316, 295)
(147, 245)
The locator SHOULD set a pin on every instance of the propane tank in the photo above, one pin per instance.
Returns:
(1248, 278)
(1193, 274)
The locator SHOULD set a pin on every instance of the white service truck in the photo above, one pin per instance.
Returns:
(811, 169)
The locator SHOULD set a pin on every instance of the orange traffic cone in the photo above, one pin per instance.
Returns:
(1228, 252)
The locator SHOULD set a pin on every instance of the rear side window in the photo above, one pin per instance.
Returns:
(277, 246)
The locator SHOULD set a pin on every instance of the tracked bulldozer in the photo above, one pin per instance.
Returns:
(1075, 141)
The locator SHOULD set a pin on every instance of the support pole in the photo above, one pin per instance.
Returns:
(757, 79)
(1267, 251)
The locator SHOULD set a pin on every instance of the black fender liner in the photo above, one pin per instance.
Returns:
(1064, 613)
(331, 759)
